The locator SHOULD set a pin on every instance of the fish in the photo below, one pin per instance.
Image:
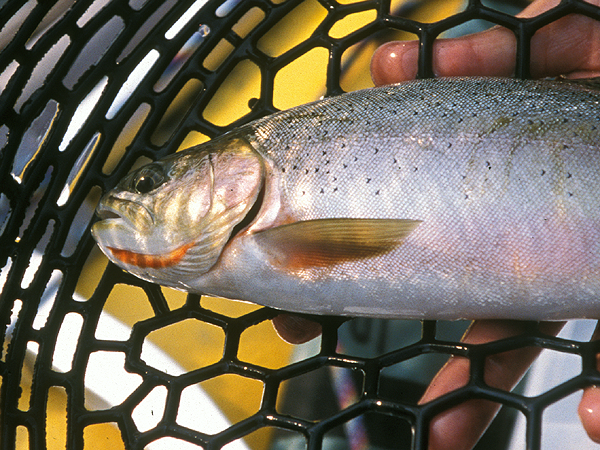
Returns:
(443, 198)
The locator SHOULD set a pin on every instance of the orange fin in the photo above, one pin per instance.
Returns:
(324, 242)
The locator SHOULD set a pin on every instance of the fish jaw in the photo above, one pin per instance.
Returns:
(123, 227)
(118, 207)
(122, 222)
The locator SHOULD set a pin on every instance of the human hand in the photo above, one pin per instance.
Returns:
(556, 49)
(569, 46)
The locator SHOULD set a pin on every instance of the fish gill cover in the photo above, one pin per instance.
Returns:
(92, 357)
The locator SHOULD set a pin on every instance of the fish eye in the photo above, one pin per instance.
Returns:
(148, 179)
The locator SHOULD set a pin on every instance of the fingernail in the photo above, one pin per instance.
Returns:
(395, 62)
(410, 60)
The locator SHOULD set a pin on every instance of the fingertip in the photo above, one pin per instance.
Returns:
(394, 62)
(295, 329)
(460, 428)
(589, 412)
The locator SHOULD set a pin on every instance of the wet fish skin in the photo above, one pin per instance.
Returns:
(488, 187)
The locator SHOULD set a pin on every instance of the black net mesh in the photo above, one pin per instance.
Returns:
(95, 358)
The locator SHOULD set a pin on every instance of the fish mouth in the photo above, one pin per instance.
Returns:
(134, 214)
(105, 213)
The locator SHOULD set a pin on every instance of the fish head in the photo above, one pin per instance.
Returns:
(170, 220)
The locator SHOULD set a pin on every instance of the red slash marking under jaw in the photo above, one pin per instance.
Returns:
(153, 261)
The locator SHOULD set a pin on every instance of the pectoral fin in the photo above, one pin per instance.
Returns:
(324, 242)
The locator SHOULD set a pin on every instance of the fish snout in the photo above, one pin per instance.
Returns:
(134, 214)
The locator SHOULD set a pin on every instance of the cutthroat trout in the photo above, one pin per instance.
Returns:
(439, 199)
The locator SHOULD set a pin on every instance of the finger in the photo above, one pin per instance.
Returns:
(295, 329)
(487, 53)
(589, 406)
(462, 426)
(555, 49)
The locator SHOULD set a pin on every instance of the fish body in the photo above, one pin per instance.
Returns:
(438, 199)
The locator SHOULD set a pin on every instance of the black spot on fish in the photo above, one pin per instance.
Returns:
(368, 180)
(376, 150)
(295, 168)
(355, 158)
(316, 169)
(345, 166)
(306, 171)
(570, 194)
(322, 191)
(449, 144)
(335, 189)
(569, 175)
(395, 161)
(415, 169)
(488, 165)
(543, 172)
(283, 169)
(460, 119)
(377, 192)
(324, 152)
